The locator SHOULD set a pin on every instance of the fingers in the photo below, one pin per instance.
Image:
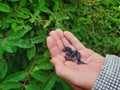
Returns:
(85, 53)
(57, 40)
(53, 48)
(64, 40)
(73, 40)
(61, 39)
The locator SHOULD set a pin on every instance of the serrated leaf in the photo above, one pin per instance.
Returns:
(50, 82)
(15, 77)
(10, 85)
(3, 69)
(31, 52)
(39, 76)
(4, 7)
(31, 87)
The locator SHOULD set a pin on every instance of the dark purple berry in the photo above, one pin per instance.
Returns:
(73, 53)
(68, 49)
(78, 56)
(81, 62)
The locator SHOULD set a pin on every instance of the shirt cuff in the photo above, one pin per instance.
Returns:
(109, 77)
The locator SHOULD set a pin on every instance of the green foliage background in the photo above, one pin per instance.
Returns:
(25, 24)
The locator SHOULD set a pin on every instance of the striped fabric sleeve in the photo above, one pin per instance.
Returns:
(109, 77)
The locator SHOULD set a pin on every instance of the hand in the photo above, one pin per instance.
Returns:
(81, 77)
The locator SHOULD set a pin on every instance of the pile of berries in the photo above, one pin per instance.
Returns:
(72, 55)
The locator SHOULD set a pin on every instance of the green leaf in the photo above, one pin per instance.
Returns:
(47, 54)
(43, 7)
(22, 3)
(27, 27)
(39, 76)
(31, 1)
(47, 23)
(41, 3)
(46, 10)
(59, 17)
(20, 32)
(31, 87)
(25, 11)
(8, 48)
(15, 77)
(65, 85)
(31, 52)
(13, 0)
(10, 85)
(38, 39)
(58, 25)
(36, 12)
(4, 7)
(56, 6)
(20, 14)
(42, 63)
(1, 35)
(45, 65)
(23, 43)
(1, 53)
(3, 69)
(50, 82)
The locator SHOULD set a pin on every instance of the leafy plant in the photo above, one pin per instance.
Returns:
(25, 24)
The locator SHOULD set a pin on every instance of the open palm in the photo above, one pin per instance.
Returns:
(81, 76)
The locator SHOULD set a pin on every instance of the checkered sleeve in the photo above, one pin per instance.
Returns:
(109, 77)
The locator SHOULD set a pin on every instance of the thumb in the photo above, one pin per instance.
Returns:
(62, 69)
(58, 65)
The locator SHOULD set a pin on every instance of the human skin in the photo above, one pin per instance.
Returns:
(80, 77)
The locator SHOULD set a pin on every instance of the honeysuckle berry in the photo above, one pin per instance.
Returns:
(72, 55)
